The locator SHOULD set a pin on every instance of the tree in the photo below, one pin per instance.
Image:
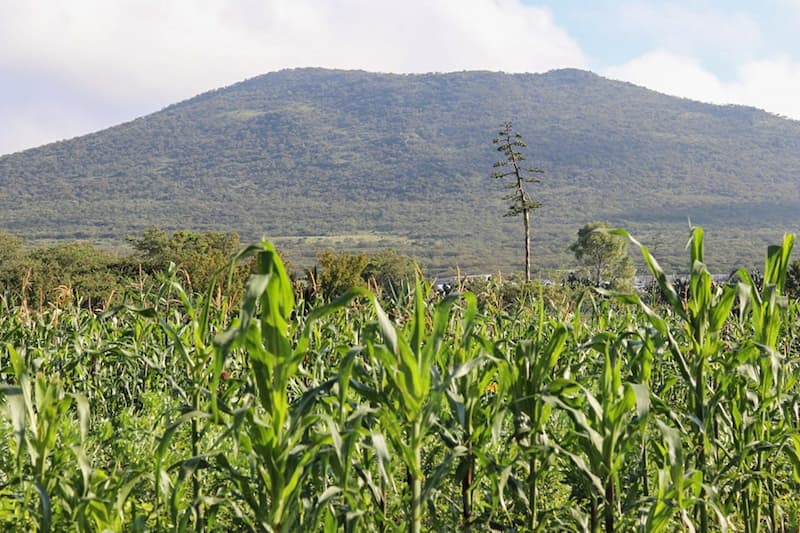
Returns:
(604, 255)
(198, 255)
(388, 269)
(12, 260)
(340, 272)
(510, 142)
(60, 272)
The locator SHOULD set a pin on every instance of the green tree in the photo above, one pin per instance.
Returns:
(388, 269)
(340, 272)
(198, 255)
(60, 272)
(153, 245)
(605, 256)
(12, 257)
(510, 142)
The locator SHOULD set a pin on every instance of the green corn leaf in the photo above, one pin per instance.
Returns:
(17, 411)
(328, 494)
(641, 395)
(722, 310)
(582, 467)
(418, 322)
(464, 369)
(381, 454)
(777, 262)
(658, 273)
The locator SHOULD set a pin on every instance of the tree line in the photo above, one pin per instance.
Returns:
(57, 274)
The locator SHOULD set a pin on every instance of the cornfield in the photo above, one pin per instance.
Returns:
(177, 412)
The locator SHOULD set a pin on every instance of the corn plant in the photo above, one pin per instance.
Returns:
(272, 433)
(532, 377)
(755, 389)
(190, 331)
(606, 424)
(476, 412)
(410, 402)
(56, 482)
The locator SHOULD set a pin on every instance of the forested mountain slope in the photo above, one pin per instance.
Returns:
(318, 158)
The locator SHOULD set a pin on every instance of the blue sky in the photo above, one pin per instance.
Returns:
(719, 34)
(75, 66)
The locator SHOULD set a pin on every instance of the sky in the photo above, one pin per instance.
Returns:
(70, 67)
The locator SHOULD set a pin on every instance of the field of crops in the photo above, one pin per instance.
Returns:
(679, 411)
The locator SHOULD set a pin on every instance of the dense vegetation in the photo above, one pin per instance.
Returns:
(96, 278)
(57, 274)
(353, 160)
(177, 410)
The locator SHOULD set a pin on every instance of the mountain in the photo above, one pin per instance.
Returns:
(316, 158)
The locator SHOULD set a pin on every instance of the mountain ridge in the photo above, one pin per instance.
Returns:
(315, 157)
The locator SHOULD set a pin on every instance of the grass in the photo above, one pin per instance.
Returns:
(354, 240)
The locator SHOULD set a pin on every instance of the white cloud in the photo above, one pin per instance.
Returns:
(132, 52)
(670, 73)
(772, 84)
(693, 29)
(795, 4)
